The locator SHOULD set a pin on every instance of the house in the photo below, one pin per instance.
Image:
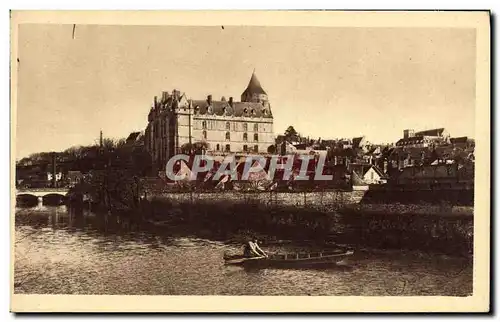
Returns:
(74, 177)
(361, 144)
(257, 177)
(338, 156)
(285, 148)
(439, 173)
(372, 155)
(462, 142)
(364, 174)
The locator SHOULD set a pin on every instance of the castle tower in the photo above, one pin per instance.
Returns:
(254, 91)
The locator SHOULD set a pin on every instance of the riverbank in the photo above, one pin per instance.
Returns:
(445, 229)
(412, 220)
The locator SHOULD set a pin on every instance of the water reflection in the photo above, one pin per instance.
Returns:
(67, 251)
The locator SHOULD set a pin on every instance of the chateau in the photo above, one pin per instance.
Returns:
(177, 124)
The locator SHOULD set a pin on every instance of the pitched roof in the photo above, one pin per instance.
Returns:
(359, 168)
(462, 139)
(356, 180)
(133, 136)
(254, 86)
(300, 146)
(348, 152)
(357, 141)
(379, 172)
(415, 153)
(411, 140)
(433, 132)
(246, 109)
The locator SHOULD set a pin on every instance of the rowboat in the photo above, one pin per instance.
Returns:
(290, 259)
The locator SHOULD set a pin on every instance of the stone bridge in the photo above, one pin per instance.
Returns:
(40, 193)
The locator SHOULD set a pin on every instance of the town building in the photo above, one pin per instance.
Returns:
(424, 139)
(365, 174)
(432, 174)
(73, 178)
(177, 124)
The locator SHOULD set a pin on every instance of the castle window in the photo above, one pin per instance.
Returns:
(245, 148)
(256, 137)
(228, 136)
(245, 137)
(228, 147)
(204, 124)
(205, 135)
(245, 127)
(256, 148)
(228, 126)
(218, 147)
(256, 127)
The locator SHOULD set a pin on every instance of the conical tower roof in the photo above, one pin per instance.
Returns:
(254, 86)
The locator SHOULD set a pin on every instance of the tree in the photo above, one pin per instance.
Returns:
(291, 134)
(121, 143)
(108, 144)
(196, 148)
(200, 147)
(74, 152)
(271, 149)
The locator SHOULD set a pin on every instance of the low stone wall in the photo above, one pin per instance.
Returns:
(308, 217)
(374, 195)
(462, 197)
(297, 199)
(413, 209)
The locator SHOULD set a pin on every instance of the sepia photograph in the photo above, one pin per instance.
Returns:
(283, 157)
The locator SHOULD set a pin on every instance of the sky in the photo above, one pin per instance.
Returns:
(327, 82)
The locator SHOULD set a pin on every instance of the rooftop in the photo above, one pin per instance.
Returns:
(254, 86)
(241, 109)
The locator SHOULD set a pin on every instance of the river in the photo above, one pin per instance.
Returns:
(58, 251)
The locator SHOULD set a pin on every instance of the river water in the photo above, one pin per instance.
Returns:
(58, 251)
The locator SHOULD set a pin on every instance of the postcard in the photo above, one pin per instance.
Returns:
(250, 161)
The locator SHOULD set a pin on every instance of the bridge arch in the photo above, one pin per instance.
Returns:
(54, 196)
(26, 195)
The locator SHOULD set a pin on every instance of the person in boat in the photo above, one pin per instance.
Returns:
(252, 249)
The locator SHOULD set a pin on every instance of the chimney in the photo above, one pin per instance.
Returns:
(231, 101)
(209, 99)
(164, 96)
(156, 101)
